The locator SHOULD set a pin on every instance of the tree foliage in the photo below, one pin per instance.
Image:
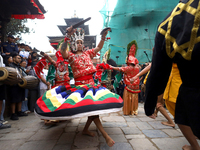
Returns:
(17, 27)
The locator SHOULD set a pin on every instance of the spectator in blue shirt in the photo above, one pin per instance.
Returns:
(9, 46)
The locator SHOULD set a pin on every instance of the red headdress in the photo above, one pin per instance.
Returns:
(131, 52)
(39, 67)
(60, 58)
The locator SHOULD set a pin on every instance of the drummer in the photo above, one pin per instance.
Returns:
(17, 94)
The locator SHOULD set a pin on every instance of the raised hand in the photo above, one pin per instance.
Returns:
(70, 30)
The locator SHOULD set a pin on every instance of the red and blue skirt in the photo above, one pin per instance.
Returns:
(69, 102)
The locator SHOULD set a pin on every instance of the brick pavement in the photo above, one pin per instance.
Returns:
(129, 133)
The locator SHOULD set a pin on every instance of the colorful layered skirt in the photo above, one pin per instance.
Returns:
(69, 102)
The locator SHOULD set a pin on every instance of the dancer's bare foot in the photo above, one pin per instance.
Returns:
(49, 122)
(88, 133)
(110, 141)
(152, 116)
(155, 113)
(168, 124)
(187, 147)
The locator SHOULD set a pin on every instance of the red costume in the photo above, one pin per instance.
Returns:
(82, 67)
(131, 90)
(62, 73)
(130, 72)
(68, 102)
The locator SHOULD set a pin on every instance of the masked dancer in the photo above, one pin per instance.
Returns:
(85, 98)
(131, 90)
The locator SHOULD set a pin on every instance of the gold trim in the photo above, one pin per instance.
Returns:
(194, 32)
(193, 39)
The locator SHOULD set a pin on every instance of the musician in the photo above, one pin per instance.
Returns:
(9, 46)
(17, 94)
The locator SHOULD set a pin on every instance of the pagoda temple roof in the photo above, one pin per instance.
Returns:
(89, 40)
(63, 28)
(71, 21)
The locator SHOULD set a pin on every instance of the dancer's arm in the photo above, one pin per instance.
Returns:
(101, 43)
(116, 68)
(48, 58)
(63, 51)
(145, 70)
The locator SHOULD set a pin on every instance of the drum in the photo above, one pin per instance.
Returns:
(29, 82)
(9, 75)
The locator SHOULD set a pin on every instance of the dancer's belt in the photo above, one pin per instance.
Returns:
(78, 81)
(57, 82)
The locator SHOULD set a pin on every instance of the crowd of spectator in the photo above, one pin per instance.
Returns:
(16, 99)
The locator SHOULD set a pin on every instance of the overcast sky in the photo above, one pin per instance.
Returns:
(56, 12)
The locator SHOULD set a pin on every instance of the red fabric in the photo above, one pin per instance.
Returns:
(82, 64)
(132, 91)
(132, 50)
(39, 67)
(54, 43)
(130, 72)
(66, 39)
(61, 83)
(131, 55)
(27, 16)
(85, 102)
(132, 60)
(84, 77)
(88, 79)
(90, 102)
(62, 72)
(59, 57)
(100, 68)
(42, 105)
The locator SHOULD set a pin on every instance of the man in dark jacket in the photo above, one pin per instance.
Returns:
(17, 94)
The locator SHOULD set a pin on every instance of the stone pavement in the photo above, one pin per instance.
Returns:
(129, 133)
